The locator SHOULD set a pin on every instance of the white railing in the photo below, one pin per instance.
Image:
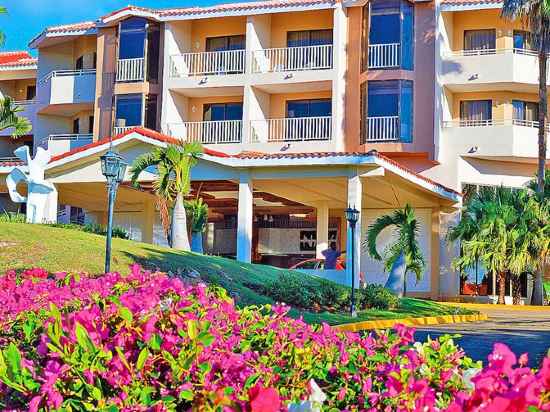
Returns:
(66, 73)
(208, 63)
(382, 129)
(208, 132)
(383, 56)
(294, 129)
(119, 130)
(61, 143)
(491, 122)
(287, 59)
(70, 136)
(24, 102)
(130, 70)
(485, 52)
(10, 159)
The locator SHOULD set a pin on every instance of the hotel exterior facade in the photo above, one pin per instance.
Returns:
(303, 107)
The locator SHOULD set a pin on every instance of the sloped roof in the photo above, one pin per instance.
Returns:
(16, 59)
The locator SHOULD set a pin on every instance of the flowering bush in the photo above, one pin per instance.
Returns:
(149, 342)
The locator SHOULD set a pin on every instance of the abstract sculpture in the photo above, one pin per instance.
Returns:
(41, 196)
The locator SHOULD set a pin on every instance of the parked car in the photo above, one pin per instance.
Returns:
(317, 264)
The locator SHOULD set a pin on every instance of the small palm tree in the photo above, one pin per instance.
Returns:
(10, 120)
(535, 16)
(173, 166)
(197, 212)
(405, 251)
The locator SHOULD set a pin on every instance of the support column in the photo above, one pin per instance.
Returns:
(148, 222)
(355, 195)
(245, 219)
(339, 61)
(322, 228)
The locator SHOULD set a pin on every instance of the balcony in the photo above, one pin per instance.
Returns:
(384, 56)
(503, 69)
(61, 143)
(288, 59)
(28, 111)
(383, 129)
(297, 129)
(130, 70)
(506, 140)
(207, 63)
(208, 132)
(122, 129)
(64, 87)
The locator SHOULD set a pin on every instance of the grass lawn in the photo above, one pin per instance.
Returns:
(23, 246)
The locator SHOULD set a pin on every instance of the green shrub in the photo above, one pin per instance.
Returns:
(12, 217)
(377, 297)
(94, 228)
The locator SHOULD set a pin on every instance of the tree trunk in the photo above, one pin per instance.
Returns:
(180, 238)
(543, 103)
(516, 289)
(537, 297)
(501, 288)
(396, 280)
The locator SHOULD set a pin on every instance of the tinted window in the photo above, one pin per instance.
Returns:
(132, 38)
(383, 98)
(128, 110)
(309, 108)
(309, 38)
(31, 92)
(223, 111)
(480, 39)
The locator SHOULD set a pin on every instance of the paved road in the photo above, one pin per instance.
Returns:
(523, 331)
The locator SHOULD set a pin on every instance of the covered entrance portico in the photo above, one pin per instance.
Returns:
(277, 209)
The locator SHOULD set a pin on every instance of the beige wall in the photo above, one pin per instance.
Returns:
(16, 89)
(204, 28)
(483, 19)
(502, 102)
(84, 118)
(281, 23)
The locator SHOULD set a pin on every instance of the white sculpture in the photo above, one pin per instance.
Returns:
(41, 195)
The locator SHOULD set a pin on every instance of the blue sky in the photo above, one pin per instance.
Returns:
(27, 18)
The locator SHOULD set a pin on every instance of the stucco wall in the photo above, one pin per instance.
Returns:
(281, 23)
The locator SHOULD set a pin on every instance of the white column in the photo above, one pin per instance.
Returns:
(339, 61)
(245, 219)
(322, 228)
(148, 222)
(355, 195)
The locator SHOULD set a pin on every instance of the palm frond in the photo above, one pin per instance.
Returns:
(9, 118)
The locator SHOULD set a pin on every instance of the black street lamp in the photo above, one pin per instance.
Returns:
(352, 216)
(113, 168)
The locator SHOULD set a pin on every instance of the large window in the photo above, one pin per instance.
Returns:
(309, 38)
(522, 40)
(223, 111)
(391, 34)
(476, 112)
(225, 62)
(132, 38)
(483, 41)
(309, 108)
(389, 109)
(525, 112)
(129, 110)
(224, 43)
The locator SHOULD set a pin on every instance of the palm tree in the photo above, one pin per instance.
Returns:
(535, 15)
(405, 251)
(3, 10)
(10, 120)
(173, 166)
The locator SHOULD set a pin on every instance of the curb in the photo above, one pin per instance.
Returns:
(492, 306)
(429, 320)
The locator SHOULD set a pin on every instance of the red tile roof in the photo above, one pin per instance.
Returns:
(140, 130)
(470, 2)
(11, 163)
(16, 58)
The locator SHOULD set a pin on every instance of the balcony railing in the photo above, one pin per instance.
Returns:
(24, 103)
(208, 63)
(130, 70)
(60, 143)
(294, 129)
(491, 122)
(119, 130)
(66, 73)
(383, 129)
(383, 56)
(208, 132)
(486, 52)
(288, 59)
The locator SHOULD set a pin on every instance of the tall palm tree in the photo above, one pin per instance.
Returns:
(535, 16)
(10, 120)
(3, 10)
(405, 249)
(173, 166)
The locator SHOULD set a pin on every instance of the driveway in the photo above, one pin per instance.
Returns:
(524, 331)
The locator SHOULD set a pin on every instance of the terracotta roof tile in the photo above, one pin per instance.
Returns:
(469, 2)
(67, 28)
(11, 163)
(16, 58)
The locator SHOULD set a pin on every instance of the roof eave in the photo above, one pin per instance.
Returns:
(470, 6)
(38, 40)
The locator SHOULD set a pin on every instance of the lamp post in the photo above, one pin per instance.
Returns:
(352, 216)
(113, 168)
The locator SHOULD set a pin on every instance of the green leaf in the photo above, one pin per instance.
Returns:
(13, 360)
(142, 358)
(122, 358)
(192, 329)
(155, 342)
(186, 394)
(206, 338)
(96, 393)
(83, 338)
(126, 314)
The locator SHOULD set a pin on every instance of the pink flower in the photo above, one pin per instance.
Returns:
(264, 399)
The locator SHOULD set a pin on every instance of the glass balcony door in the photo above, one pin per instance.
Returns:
(476, 113)
(224, 119)
(306, 119)
(223, 63)
(480, 41)
(525, 113)
(309, 56)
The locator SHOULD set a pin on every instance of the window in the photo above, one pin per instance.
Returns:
(225, 62)
(305, 38)
(317, 58)
(31, 92)
(129, 110)
(522, 40)
(480, 40)
(391, 34)
(309, 108)
(476, 113)
(224, 43)
(525, 112)
(90, 124)
(76, 126)
(132, 38)
(389, 111)
(151, 112)
(79, 65)
(223, 111)
(315, 125)
(153, 51)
